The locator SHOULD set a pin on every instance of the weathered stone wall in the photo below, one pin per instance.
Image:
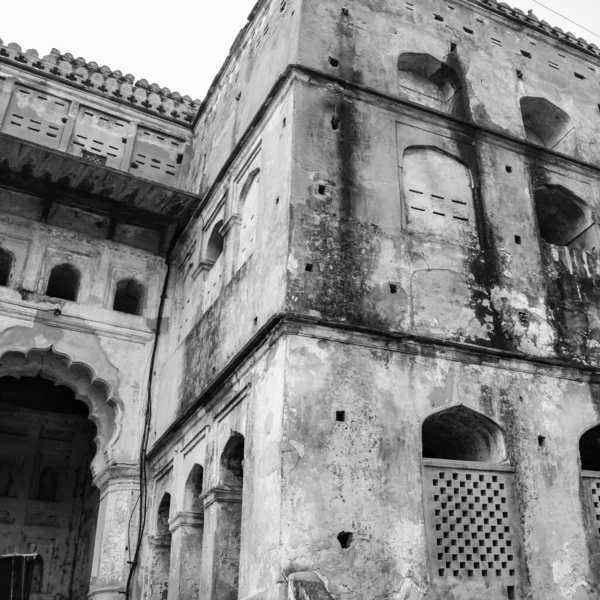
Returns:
(248, 403)
(363, 475)
(215, 308)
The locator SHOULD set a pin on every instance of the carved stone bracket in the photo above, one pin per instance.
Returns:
(186, 519)
(234, 219)
(222, 495)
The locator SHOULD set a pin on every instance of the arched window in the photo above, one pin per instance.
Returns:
(462, 434)
(214, 247)
(564, 219)
(589, 455)
(545, 123)
(427, 80)
(6, 264)
(229, 529)
(48, 485)
(249, 208)
(129, 297)
(63, 282)
(470, 506)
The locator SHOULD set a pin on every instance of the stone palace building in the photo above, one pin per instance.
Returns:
(331, 333)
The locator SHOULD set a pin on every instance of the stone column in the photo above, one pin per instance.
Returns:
(221, 552)
(186, 555)
(116, 533)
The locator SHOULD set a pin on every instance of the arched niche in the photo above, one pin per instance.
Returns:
(248, 208)
(162, 516)
(129, 297)
(216, 242)
(589, 449)
(459, 433)
(545, 123)
(429, 81)
(232, 462)
(64, 282)
(193, 490)
(6, 264)
(564, 219)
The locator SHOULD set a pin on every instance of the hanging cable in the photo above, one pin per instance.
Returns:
(143, 497)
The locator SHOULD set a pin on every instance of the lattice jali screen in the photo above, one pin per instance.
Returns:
(473, 529)
(591, 481)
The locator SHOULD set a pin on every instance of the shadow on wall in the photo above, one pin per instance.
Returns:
(431, 82)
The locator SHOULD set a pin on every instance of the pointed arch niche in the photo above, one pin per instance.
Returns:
(429, 81)
(473, 529)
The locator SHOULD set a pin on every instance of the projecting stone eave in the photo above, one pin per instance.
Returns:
(37, 169)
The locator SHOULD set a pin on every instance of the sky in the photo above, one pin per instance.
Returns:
(181, 44)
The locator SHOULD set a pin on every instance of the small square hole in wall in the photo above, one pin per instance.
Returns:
(340, 415)
(345, 539)
(308, 267)
(255, 321)
(277, 200)
(510, 592)
(467, 30)
(335, 122)
(321, 189)
(453, 47)
(393, 288)
(438, 17)
(508, 169)
(518, 239)
(541, 441)
(519, 74)
(345, 11)
(284, 122)
(334, 62)
(579, 75)
(526, 54)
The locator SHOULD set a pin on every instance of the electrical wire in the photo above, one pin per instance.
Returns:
(143, 495)
(566, 18)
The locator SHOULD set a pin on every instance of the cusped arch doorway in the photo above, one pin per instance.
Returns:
(48, 503)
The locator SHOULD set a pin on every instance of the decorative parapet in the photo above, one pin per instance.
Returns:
(530, 20)
(113, 85)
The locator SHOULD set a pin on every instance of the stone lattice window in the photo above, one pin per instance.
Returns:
(470, 510)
